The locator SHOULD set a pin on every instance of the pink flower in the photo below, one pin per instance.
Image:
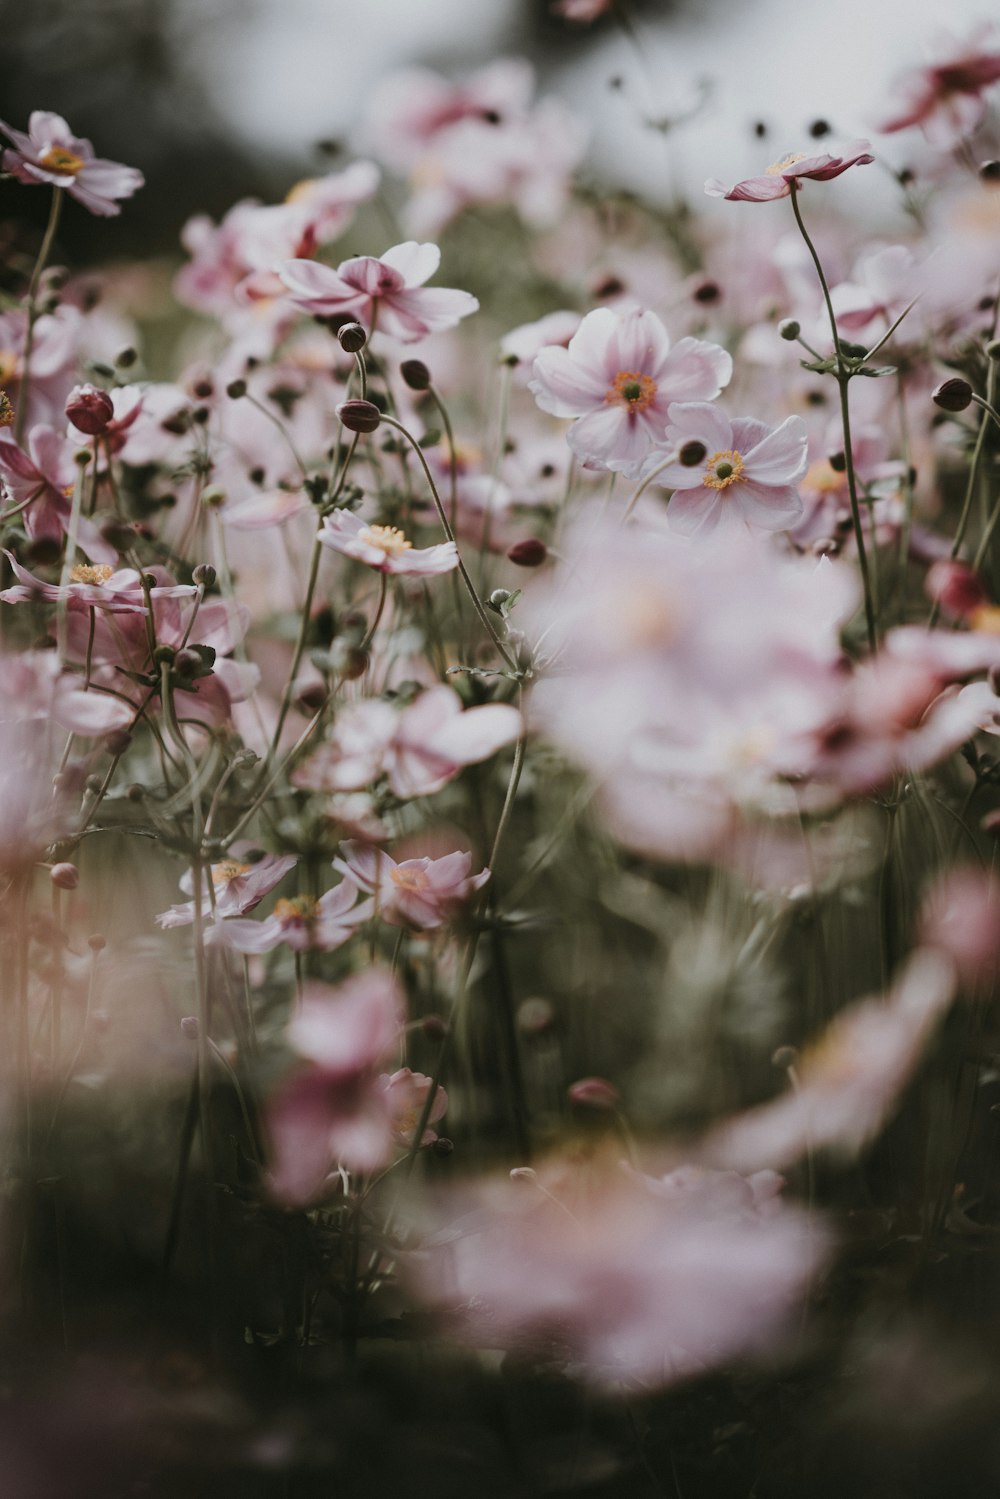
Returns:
(41, 480)
(407, 1092)
(793, 170)
(946, 99)
(424, 892)
(238, 886)
(581, 11)
(748, 476)
(336, 1110)
(301, 922)
(622, 1278)
(51, 153)
(385, 548)
(961, 918)
(100, 587)
(389, 289)
(618, 376)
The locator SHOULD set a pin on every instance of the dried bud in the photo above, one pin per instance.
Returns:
(352, 338)
(693, 453)
(956, 587)
(204, 575)
(64, 876)
(359, 416)
(416, 374)
(952, 395)
(594, 1093)
(789, 328)
(531, 552)
(89, 409)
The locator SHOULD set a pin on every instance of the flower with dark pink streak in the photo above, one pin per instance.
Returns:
(51, 153)
(791, 171)
(617, 377)
(946, 99)
(389, 289)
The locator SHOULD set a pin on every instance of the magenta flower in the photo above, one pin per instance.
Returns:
(389, 290)
(617, 377)
(423, 892)
(237, 884)
(336, 1109)
(301, 922)
(50, 152)
(946, 99)
(385, 548)
(748, 476)
(791, 171)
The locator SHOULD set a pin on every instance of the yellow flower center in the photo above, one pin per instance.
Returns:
(6, 410)
(8, 365)
(298, 908)
(229, 869)
(723, 469)
(409, 879)
(822, 478)
(631, 390)
(986, 619)
(779, 167)
(387, 539)
(98, 574)
(300, 191)
(58, 159)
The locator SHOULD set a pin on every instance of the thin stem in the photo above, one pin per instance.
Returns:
(29, 337)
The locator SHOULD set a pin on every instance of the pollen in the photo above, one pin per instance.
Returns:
(387, 539)
(723, 469)
(61, 161)
(778, 168)
(7, 412)
(631, 390)
(229, 869)
(298, 908)
(409, 879)
(97, 574)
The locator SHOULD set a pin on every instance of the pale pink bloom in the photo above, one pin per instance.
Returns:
(883, 284)
(617, 377)
(237, 886)
(53, 362)
(620, 1280)
(42, 479)
(792, 170)
(336, 1110)
(35, 688)
(748, 478)
(388, 290)
(407, 1093)
(410, 109)
(946, 99)
(51, 153)
(423, 892)
(961, 918)
(849, 1082)
(301, 922)
(523, 344)
(581, 11)
(385, 548)
(114, 591)
(273, 507)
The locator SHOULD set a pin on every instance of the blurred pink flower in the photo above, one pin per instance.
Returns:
(385, 548)
(237, 884)
(581, 11)
(778, 180)
(423, 892)
(946, 99)
(301, 922)
(41, 480)
(336, 1110)
(101, 587)
(617, 377)
(51, 153)
(389, 290)
(621, 1278)
(407, 1093)
(747, 479)
(961, 918)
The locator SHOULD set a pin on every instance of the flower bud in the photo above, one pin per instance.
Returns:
(126, 358)
(416, 374)
(837, 461)
(693, 453)
(204, 575)
(989, 172)
(64, 876)
(531, 552)
(352, 338)
(443, 1146)
(359, 416)
(952, 395)
(236, 389)
(707, 292)
(213, 497)
(89, 409)
(789, 328)
(852, 350)
(434, 1027)
(955, 587)
(189, 1027)
(594, 1093)
(82, 457)
(97, 942)
(785, 1058)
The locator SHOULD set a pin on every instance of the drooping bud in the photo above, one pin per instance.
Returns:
(204, 575)
(952, 395)
(416, 374)
(64, 876)
(359, 416)
(531, 552)
(352, 338)
(789, 328)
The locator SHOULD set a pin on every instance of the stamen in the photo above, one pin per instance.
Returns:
(779, 167)
(297, 908)
(632, 390)
(722, 469)
(229, 869)
(387, 539)
(84, 573)
(61, 161)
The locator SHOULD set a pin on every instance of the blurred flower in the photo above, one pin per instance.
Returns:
(237, 886)
(423, 892)
(41, 481)
(618, 376)
(407, 1094)
(51, 153)
(302, 922)
(793, 170)
(946, 99)
(961, 918)
(389, 290)
(385, 548)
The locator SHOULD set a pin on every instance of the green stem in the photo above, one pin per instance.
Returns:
(29, 337)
